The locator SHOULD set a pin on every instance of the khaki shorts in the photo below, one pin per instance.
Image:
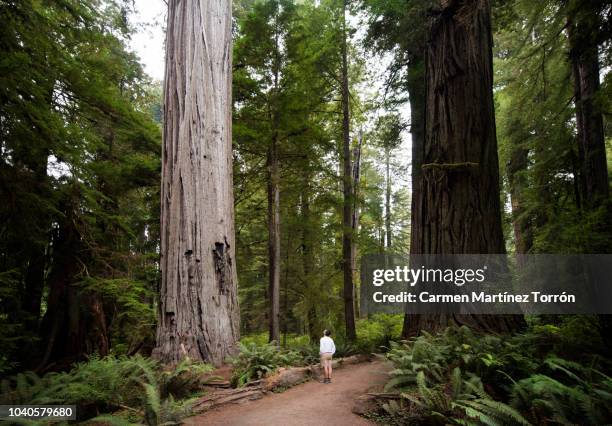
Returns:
(326, 356)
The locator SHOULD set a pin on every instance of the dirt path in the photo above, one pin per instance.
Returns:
(311, 403)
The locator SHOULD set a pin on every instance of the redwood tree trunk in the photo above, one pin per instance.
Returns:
(274, 242)
(347, 211)
(459, 197)
(388, 197)
(355, 220)
(308, 260)
(198, 309)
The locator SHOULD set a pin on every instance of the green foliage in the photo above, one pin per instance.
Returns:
(462, 401)
(375, 334)
(254, 361)
(108, 384)
(79, 174)
(440, 377)
(536, 128)
(570, 393)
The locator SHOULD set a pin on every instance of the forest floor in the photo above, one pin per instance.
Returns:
(311, 403)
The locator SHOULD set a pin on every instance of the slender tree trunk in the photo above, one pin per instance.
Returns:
(288, 250)
(308, 260)
(198, 309)
(460, 181)
(355, 222)
(388, 196)
(523, 238)
(274, 242)
(582, 31)
(347, 234)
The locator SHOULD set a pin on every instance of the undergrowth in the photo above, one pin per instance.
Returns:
(134, 389)
(460, 377)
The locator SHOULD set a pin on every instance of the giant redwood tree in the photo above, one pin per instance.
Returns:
(198, 309)
(459, 200)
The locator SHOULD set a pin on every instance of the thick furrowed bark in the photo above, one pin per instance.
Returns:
(458, 201)
(198, 309)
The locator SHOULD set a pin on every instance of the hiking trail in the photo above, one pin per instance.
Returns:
(310, 403)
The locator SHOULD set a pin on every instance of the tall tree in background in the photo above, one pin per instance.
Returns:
(348, 239)
(460, 193)
(198, 310)
(540, 125)
(273, 165)
(585, 35)
(387, 135)
(264, 52)
(533, 103)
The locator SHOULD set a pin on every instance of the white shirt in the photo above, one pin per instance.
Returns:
(327, 345)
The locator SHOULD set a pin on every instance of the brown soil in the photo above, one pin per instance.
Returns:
(311, 403)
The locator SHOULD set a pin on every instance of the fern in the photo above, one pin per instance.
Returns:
(256, 361)
(111, 383)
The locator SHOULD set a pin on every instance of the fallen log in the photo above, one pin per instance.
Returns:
(228, 396)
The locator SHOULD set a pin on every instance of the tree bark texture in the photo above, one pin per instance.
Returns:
(198, 309)
(459, 195)
(460, 164)
(347, 214)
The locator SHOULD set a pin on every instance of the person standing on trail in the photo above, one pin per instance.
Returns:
(327, 349)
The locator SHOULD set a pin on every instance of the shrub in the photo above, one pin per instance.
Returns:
(375, 334)
(255, 361)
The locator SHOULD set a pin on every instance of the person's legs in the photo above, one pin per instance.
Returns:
(324, 367)
(326, 364)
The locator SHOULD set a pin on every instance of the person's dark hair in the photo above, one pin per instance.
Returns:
(327, 332)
